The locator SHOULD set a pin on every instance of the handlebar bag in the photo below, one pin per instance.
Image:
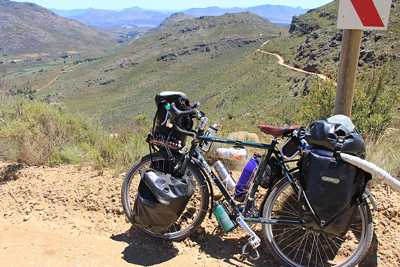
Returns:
(160, 200)
(163, 119)
(335, 137)
(331, 192)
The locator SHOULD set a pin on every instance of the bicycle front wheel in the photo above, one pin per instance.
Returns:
(298, 246)
(195, 210)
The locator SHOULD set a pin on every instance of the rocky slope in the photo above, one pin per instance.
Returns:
(313, 42)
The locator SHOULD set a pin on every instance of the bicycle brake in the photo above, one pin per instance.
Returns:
(254, 240)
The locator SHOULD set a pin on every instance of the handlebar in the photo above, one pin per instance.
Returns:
(178, 113)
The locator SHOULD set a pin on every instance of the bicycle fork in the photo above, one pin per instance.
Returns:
(254, 240)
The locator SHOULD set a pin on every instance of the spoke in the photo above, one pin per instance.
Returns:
(297, 248)
(312, 250)
(290, 205)
(287, 212)
(302, 256)
(327, 242)
(323, 249)
(318, 250)
(289, 236)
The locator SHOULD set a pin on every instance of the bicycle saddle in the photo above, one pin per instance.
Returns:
(277, 131)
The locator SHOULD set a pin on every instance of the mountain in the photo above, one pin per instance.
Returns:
(212, 59)
(128, 17)
(70, 12)
(274, 13)
(29, 28)
(138, 17)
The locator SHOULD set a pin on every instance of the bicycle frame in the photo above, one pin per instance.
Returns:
(270, 149)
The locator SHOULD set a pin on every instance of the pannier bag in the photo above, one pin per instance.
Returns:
(335, 137)
(163, 134)
(160, 200)
(332, 192)
(332, 188)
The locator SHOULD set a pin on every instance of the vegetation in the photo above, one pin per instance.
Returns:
(374, 106)
(35, 133)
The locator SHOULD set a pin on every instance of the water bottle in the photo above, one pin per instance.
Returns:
(211, 132)
(244, 182)
(224, 176)
(220, 212)
(232, 153)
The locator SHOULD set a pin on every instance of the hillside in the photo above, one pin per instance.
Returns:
(313, 42)
(28, 28)
(212, 59)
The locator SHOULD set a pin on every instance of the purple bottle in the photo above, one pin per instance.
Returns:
(243, 184)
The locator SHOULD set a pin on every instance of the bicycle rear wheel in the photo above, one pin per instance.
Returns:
(194, 212)
(298, 246)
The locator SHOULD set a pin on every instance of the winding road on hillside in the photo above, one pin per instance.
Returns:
(281, 61)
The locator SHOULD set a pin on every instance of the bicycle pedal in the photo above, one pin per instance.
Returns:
(248, 254)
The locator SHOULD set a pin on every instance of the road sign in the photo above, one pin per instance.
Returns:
(364, 14)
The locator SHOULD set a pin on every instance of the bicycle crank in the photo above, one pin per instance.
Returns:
(254, 240)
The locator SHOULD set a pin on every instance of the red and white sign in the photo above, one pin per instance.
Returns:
(364, 14)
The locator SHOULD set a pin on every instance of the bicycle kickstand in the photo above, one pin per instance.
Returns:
(254, 240)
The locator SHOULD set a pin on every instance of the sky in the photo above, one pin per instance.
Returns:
(170, 4)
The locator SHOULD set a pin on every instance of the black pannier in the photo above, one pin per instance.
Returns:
(332, 192)
(160, 200)
(331, 188)
(335, 136)
(163, 134)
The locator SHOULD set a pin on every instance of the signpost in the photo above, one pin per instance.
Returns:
(354, 17)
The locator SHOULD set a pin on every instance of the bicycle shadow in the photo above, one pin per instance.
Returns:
(143, 250)
(147, 251)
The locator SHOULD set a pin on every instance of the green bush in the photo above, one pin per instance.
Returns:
(35, 133)
(374, 104)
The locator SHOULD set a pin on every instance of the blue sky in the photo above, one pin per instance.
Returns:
(170, 4)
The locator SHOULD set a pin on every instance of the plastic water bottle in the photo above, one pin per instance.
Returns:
(224, 176)
(232, 153)
(220, 212)
(211, 132)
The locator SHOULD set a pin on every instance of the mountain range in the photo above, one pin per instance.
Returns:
(29, 28)
(138, 17)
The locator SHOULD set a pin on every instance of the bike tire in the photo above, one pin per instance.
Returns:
(195, 210)
(297, 246)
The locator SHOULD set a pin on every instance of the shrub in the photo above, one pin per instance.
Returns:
(374, 105)
(36, 132)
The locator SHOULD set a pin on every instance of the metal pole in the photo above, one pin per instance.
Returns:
(347, 71)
